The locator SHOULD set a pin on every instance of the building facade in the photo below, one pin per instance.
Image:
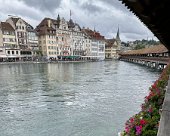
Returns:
(61, 39)
(95, 44)
(26, 37)
(9, 50)
(47, 39)
(113, 47)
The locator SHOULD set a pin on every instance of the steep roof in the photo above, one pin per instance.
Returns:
(93, 34)
(44, 29)
(15, 19)
(6, 27)
(155, 49)
(71, 24)
(110, 42)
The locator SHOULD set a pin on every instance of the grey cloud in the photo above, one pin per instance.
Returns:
(104, 15)
(48, 5)
(117, 4)
(91, 8)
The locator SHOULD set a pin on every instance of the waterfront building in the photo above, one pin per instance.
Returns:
(113, 47)
(77, 39)
(87, 42)
(60, 39)
(26, 37)
(96, 43)
(47, 39)
(9, 50)
(63, 38)
(32, 40)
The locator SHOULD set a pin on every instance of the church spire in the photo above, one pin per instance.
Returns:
(58, 21)
(117, 36)
(58, 17)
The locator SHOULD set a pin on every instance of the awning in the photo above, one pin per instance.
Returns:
(71, 57)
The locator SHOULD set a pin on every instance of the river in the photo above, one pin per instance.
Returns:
(71, 99)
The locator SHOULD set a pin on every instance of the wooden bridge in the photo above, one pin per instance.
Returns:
(156, 56)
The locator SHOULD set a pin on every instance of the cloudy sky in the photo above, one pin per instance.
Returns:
(103, 15)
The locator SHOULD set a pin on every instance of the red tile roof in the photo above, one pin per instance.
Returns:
(93, 34)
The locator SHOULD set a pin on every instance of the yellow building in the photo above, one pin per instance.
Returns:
(112, 47)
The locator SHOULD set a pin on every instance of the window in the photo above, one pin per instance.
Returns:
(12, 52)
(16, 52)
(22, 27)
(8, 52)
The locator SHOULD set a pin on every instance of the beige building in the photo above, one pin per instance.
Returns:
(60, 39)
(113, 47)
(47, 39)
(9, 50)
(26, 37)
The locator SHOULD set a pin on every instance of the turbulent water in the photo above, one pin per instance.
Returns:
(71, 99)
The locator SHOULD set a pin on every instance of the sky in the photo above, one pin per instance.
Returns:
(104, 16)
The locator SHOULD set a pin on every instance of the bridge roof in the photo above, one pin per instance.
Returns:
(155, 49)
(154, 14)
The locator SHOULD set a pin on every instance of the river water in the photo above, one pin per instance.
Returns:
(71, 99)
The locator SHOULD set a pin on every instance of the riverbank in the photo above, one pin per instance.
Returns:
(27, 62)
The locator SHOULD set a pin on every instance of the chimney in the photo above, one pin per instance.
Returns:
(49, 23)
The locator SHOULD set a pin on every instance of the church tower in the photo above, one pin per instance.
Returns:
(118, 39)
(58, 21)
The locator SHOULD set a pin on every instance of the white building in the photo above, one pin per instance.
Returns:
(97, 45)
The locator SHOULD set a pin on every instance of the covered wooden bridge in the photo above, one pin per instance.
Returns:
(156, 56)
